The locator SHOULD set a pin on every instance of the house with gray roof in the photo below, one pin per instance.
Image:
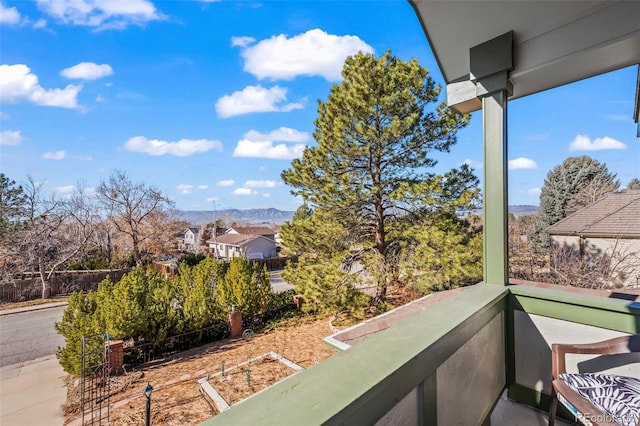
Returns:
(265, 231)
(250, 246)
(610, 226)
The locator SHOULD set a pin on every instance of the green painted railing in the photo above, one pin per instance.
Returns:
(363, 384)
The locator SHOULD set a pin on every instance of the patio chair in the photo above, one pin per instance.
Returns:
(596, 398)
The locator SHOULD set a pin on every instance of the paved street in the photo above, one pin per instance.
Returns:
(277, 283)
(29, 335)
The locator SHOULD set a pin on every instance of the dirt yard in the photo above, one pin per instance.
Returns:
(176, 399)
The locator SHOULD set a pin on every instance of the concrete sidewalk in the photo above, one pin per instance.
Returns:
(32, 308)
(32, 393)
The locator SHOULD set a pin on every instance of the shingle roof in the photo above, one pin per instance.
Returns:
(234, 239)
(614, 215)
(254, 230)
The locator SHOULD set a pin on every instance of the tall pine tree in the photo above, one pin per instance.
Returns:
(376, 136)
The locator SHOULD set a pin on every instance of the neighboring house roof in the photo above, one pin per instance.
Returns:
(194, 230)
(614, 215)
(252, 230)
(236, 239)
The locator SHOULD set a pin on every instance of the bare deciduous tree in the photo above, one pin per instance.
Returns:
(54, 232)
(589, 267)
(131, 207)
(586, 266)
(591, 191)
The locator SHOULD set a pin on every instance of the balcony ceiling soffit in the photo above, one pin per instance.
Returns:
(555, 42)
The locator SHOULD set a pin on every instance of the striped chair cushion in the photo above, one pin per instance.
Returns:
(617, 396)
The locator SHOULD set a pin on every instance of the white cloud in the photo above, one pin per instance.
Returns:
(9, 15)
(65, 190)
(260, 184)
(182, 148)
(101, 14)
(266, 195)
(473, 163)
(259, 145)
(10, 137)
(286, 134)
(17, 82)
(244, 191)
(87, 71)
(312, 53)
(242, 41)
(255, 99)
(188, 189)
(184, 189)
(226, 183)
(534, 192)
(584, 143)
(522, 163)
(58, 155)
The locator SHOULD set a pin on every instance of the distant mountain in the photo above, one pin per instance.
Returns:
(523, 210)
(269, 215)
(517, 210)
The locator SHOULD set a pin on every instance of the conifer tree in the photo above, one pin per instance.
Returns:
(633, 184)
(163, 313)
(78, 320)
(376, 136)
(200, 286)
(127, 314)
(246, 287)
(443, 254)
(12, 207)
(575, 183)
(322, 274)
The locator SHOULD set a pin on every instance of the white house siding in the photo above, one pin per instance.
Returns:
(260, 245)
(189, 238)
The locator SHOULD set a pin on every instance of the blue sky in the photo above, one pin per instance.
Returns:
(211, 100)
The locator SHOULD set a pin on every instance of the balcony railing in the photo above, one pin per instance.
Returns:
(448, 364)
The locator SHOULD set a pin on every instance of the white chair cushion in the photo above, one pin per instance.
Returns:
(617, 396)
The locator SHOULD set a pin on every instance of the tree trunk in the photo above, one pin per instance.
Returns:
(381, 248)
(136, 251)
(381, 294)
(46, 285)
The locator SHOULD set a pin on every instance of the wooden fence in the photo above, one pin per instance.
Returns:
(27, 286)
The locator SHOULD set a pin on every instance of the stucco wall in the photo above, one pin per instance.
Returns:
(534, 335)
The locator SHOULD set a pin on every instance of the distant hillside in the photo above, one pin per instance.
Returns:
(269, 215)
(517, 210)
(523, 210)
(272, 215)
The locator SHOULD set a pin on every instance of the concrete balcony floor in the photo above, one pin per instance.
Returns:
(509, 413)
